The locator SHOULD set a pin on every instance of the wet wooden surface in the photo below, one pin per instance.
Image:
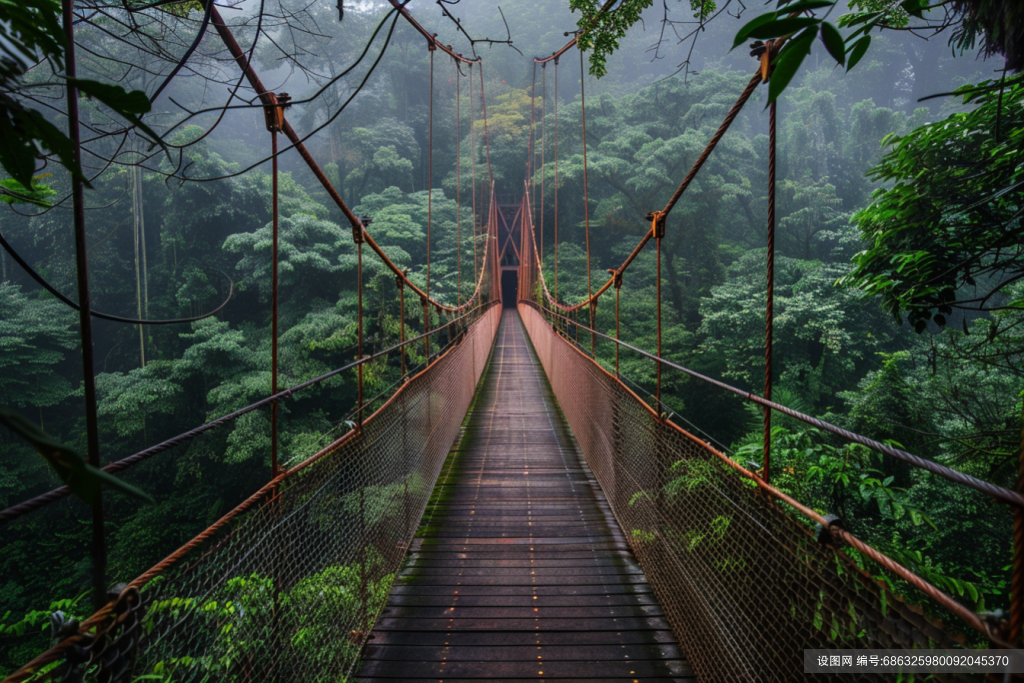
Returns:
(519, 571)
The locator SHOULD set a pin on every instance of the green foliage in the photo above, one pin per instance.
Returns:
(823, 334)
(84, 480)
(242, 628)
(31, 29)
(944, 232)
(127, 400)
(602, 26)
(23, 637)
(13, 192)
(35, 335)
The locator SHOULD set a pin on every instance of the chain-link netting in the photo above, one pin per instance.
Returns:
(744, 584)
(287, 586)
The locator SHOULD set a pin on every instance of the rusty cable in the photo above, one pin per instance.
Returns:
(658, 234)
(531, 161)
(487, 137)
(21, 509)
(727, 122)
(430, 162)
(543, 150)
(828, 524)
(769, 317)
(274, 299)
(431, 38)
(254, 81)
(998, 493)
(458, 184)
(401, 321)
(586, 207)
(472, 164)
(32, 273)
(556, 180)
(359, 329)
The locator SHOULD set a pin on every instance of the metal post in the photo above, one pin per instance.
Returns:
(99, 544)
(586, 206)
(556, 179)
(543, 155)
(618, 288)
(400, 283)
(359, 331)
(430, 162)
(274, 312)
(770, 311)
(658, 227)
(426, 329)
(458, 185)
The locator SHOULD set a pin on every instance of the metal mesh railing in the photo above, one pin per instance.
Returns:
(287, 586)
(745, 585)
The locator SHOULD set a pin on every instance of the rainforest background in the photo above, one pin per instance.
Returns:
(852, 345)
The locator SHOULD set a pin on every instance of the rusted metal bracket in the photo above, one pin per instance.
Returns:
(823, 532)
(273, 112)
(657, 219)
(357, 232)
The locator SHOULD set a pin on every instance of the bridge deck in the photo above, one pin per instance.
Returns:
(519, 571)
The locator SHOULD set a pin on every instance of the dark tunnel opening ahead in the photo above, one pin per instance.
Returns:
(509, 287)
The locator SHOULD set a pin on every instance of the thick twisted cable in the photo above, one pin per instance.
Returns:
(21, 509)
(834, 530)
(431, 37)
(727, 122)
(357, 226)
(999, 493)
(32, 273)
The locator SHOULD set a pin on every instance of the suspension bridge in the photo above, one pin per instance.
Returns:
(514, 510)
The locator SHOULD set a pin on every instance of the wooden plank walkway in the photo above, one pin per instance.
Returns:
(519, 572)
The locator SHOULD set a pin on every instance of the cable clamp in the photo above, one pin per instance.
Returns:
(823, 532)
(358, 231)
(657, 219)
(616, 278)
(273, 111)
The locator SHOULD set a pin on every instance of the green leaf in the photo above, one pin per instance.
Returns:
(128, 105)
(753, 24)
(857, 52)
(788, 62)
(114, 96)
(16, 193)
(833, 42)
(783, 27)
(20, 130)
(915, 8)
(84, 480)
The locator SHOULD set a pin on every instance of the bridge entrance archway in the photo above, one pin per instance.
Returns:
(509, 286)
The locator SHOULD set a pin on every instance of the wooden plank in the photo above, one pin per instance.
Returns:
(520, 653)
(518, 570)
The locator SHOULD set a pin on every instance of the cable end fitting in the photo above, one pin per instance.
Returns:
(357, 230)
(273, 111)
(823, 532)
(657, 219)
